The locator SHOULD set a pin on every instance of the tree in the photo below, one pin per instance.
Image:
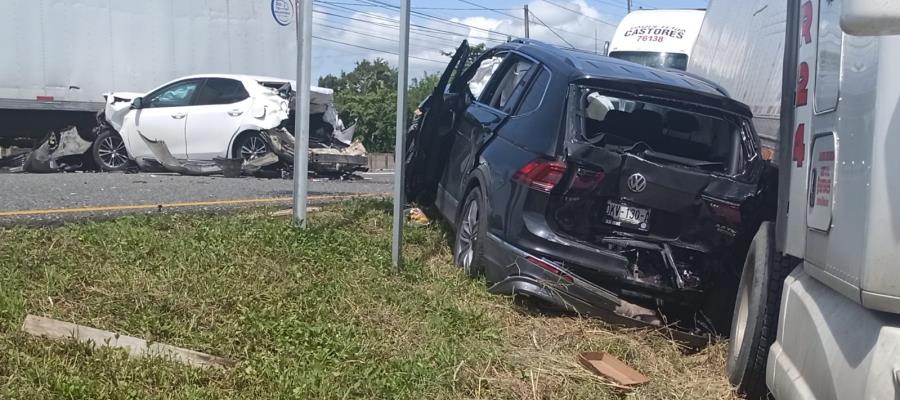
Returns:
(419, 89)
(367, 97)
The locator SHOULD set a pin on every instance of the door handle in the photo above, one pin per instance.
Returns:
(235, 113)
(178, 115)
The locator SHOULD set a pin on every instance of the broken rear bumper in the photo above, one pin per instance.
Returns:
(569, 292)
(563, 289)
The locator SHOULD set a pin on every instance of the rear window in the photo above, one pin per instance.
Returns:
(666, 134)
(221, 91)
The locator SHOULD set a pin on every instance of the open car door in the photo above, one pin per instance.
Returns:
(431, 133)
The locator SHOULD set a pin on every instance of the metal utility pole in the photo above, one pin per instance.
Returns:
(301, 122)
(629, 5)
(400, 142)
(596, 42)
(527, 18)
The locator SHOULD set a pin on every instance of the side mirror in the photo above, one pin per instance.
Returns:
(870, 17)
(137, 103)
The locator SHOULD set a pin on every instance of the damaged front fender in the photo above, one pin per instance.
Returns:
(230, 167)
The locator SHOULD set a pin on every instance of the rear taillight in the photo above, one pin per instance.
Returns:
(541, 174)
(549, 267)
(729, 213)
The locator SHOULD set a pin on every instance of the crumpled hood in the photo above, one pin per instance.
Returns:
(117, 106)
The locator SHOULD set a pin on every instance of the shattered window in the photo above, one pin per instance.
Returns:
(221, 91)
(483, 74)
(175, 95)
(708, 141)
(511, 84)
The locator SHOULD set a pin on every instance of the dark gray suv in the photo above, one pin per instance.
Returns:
(593, 184)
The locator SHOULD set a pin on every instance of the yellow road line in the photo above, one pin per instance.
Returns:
(213, 203)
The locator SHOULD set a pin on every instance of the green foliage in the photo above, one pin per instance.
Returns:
(367, 96)
(419, 89)
(315, 313)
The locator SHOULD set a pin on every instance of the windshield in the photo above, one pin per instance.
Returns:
(670, 135)
(654, 59)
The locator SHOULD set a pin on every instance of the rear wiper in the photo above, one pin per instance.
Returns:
(683, 160)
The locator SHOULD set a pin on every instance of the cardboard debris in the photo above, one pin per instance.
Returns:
(606, 365)
(416, 216)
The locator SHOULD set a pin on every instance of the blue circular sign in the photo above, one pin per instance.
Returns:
(283, 11)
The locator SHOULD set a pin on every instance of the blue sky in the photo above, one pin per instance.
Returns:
(351, 30)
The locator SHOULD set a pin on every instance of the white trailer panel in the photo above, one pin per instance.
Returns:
(741, 47)
(74, 50)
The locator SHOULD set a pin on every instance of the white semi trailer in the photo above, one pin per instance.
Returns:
(657, 38)
(817, 314)
(60, 56)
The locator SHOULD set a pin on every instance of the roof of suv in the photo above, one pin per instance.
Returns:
(585, 66)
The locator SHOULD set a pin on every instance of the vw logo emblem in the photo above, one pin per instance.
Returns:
(637, 183)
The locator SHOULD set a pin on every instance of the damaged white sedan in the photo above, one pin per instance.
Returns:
(191, 123)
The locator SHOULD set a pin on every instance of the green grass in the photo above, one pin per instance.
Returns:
(312, 314)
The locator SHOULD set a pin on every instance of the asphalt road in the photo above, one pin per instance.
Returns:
(60, 197)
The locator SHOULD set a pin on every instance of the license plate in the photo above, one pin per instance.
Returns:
(627, 216)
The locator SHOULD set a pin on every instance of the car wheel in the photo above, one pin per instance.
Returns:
(755, 321)
(251, 146)
(109, 151)
(471, 231)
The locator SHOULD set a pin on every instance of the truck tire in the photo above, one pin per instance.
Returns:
(755, 321)
(109, 152)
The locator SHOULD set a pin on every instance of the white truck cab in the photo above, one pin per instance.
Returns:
(657, 38)
(837, 235)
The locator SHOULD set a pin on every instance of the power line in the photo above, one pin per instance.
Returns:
(441, 20)
(609, 3)
(419, 27)
(372, 35)
(555, 4)
(481, 7)
(551, 30)
(447, 42)
(377, 50)
(523, 20)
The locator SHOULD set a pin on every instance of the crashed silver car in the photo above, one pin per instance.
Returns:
(202, 125)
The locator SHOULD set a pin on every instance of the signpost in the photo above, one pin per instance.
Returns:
(301, 121)
(400, 144)
(301, 149)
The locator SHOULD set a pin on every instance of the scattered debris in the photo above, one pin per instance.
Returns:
(332, 157)
(610, 367)
(135, 347)
(60, 151)
(416, 216)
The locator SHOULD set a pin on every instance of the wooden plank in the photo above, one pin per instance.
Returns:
(290, 212)
(606, 365)
(136, 347)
